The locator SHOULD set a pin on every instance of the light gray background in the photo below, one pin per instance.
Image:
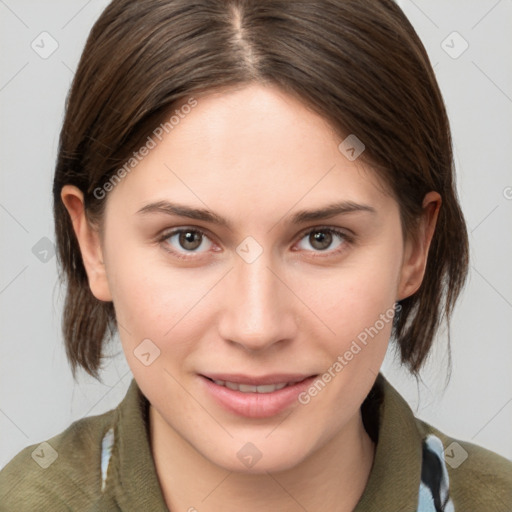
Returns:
(38, 397)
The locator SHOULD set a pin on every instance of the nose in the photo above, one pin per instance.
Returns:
(258, 307)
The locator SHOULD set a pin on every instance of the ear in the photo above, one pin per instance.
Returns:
(416, 248)
(89, 241)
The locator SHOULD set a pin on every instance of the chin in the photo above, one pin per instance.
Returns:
(259, 458)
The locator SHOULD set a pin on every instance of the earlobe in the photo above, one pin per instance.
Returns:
(416, 248)
(89, 242)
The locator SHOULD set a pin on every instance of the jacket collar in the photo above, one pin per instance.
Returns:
(138, 487)
(396, 473)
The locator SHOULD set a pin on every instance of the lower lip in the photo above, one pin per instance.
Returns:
(256, 405)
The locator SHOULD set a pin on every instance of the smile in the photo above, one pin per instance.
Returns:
(255, 397)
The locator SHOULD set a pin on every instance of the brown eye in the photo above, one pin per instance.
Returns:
(184, 240)
(323, 240)
(320, 240)
(190, 240)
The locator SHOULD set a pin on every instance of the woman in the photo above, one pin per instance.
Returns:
(257, 195)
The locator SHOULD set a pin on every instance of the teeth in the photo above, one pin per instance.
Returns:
(244, 388)
(248, 388)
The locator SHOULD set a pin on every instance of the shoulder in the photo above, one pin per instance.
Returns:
(478, 479)
(62, 473)
(454, 475)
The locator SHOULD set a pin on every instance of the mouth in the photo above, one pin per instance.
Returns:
(256, 397)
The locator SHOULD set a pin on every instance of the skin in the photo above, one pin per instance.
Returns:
(255, 156)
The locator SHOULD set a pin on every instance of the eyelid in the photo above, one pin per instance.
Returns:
(167, 233)
(344, 232)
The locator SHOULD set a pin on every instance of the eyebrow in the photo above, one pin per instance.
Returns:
(302, 216)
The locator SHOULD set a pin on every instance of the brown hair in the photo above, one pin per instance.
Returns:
(358, 64)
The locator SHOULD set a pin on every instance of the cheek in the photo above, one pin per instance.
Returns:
(152, 300)
(358, 306)
(161, 315)
(354, 297)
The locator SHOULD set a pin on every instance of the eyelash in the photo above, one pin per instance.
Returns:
(345, 238)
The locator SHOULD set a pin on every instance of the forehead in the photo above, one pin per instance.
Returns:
(247, 149)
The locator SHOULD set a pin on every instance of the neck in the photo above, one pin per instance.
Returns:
(332, 478)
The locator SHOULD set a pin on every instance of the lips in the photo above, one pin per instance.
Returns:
(255, 397)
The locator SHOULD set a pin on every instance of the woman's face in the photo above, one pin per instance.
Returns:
(257, 289)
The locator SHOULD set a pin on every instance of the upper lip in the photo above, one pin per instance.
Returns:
(276, 378)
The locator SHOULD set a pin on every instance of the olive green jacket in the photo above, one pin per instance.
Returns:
(104, 463)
